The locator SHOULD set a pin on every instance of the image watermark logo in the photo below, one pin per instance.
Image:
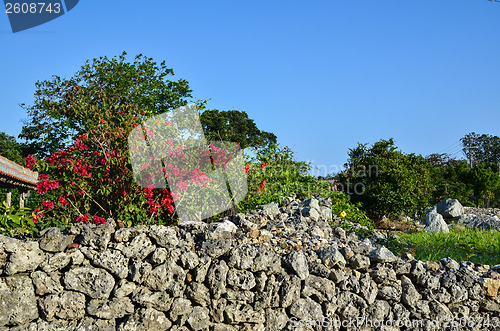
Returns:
(328, 323)
(26, 14)
(170, 150)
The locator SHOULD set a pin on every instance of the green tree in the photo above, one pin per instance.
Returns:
(387, 181)
(452, 180)
(485, 181)
(60, 112)
(11, 149)
(442, 160)
(482, 148)
(234, 125)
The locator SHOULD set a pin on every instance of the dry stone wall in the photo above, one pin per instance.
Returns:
(273, 269)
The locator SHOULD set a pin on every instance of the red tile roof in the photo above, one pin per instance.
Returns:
(14, 175)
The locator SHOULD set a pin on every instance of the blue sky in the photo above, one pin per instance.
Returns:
(321, 75)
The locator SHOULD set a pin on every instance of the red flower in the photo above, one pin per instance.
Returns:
(98, 220)
(37, 215)
(182, 186)
(262, 186)
(30, 161)
(263, 165)
(83, 218)
(47, 205)
(247, 168)
(63, 201)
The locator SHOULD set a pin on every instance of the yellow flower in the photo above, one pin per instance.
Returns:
(342, 214)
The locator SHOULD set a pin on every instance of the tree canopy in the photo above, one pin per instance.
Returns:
(66, 108)
(11, 149)
(234, 125)
(482, 148)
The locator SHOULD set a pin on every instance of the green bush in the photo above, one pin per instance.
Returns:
(387, 181)
(273, 175)
(451, 180)
(484, 181)
(14, 220)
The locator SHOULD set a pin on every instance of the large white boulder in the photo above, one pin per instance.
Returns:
(435, 222)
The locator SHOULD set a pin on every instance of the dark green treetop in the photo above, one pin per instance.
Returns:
(58, 114)
(234, 125)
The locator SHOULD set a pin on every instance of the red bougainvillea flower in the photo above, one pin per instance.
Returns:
(37, 215)
(30, 161)
(149, 132)
(262, 186)
(45, 185)
(83, 218)
(182, 186)
(263, 165)
(98, 220)
(47, 205)
(247, 168)
(63, 201)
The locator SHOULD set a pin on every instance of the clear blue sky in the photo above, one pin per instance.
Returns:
(321, 75)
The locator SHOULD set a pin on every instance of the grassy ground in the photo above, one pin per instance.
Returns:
(461, 244)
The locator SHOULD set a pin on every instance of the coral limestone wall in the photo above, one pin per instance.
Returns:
(272, 269)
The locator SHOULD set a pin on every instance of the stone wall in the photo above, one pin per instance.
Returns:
(272, 269)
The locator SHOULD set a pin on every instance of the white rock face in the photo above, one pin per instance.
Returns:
(435, 223)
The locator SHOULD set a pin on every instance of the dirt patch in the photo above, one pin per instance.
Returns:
(388, 225)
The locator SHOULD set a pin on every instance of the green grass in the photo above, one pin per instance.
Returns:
(461, 244)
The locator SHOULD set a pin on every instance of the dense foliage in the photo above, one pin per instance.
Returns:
(234, 125)
(451, 179)
(387, 181)
(482, 148)
(67, 108)
(11, 149)
(476, 186)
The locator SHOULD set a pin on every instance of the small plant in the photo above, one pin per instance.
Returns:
(342, 206)
(395, 245)
(12, 220)
(360, 232)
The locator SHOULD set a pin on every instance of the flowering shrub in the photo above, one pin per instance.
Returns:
(92, 179)
(272, 175)
(44, 184)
